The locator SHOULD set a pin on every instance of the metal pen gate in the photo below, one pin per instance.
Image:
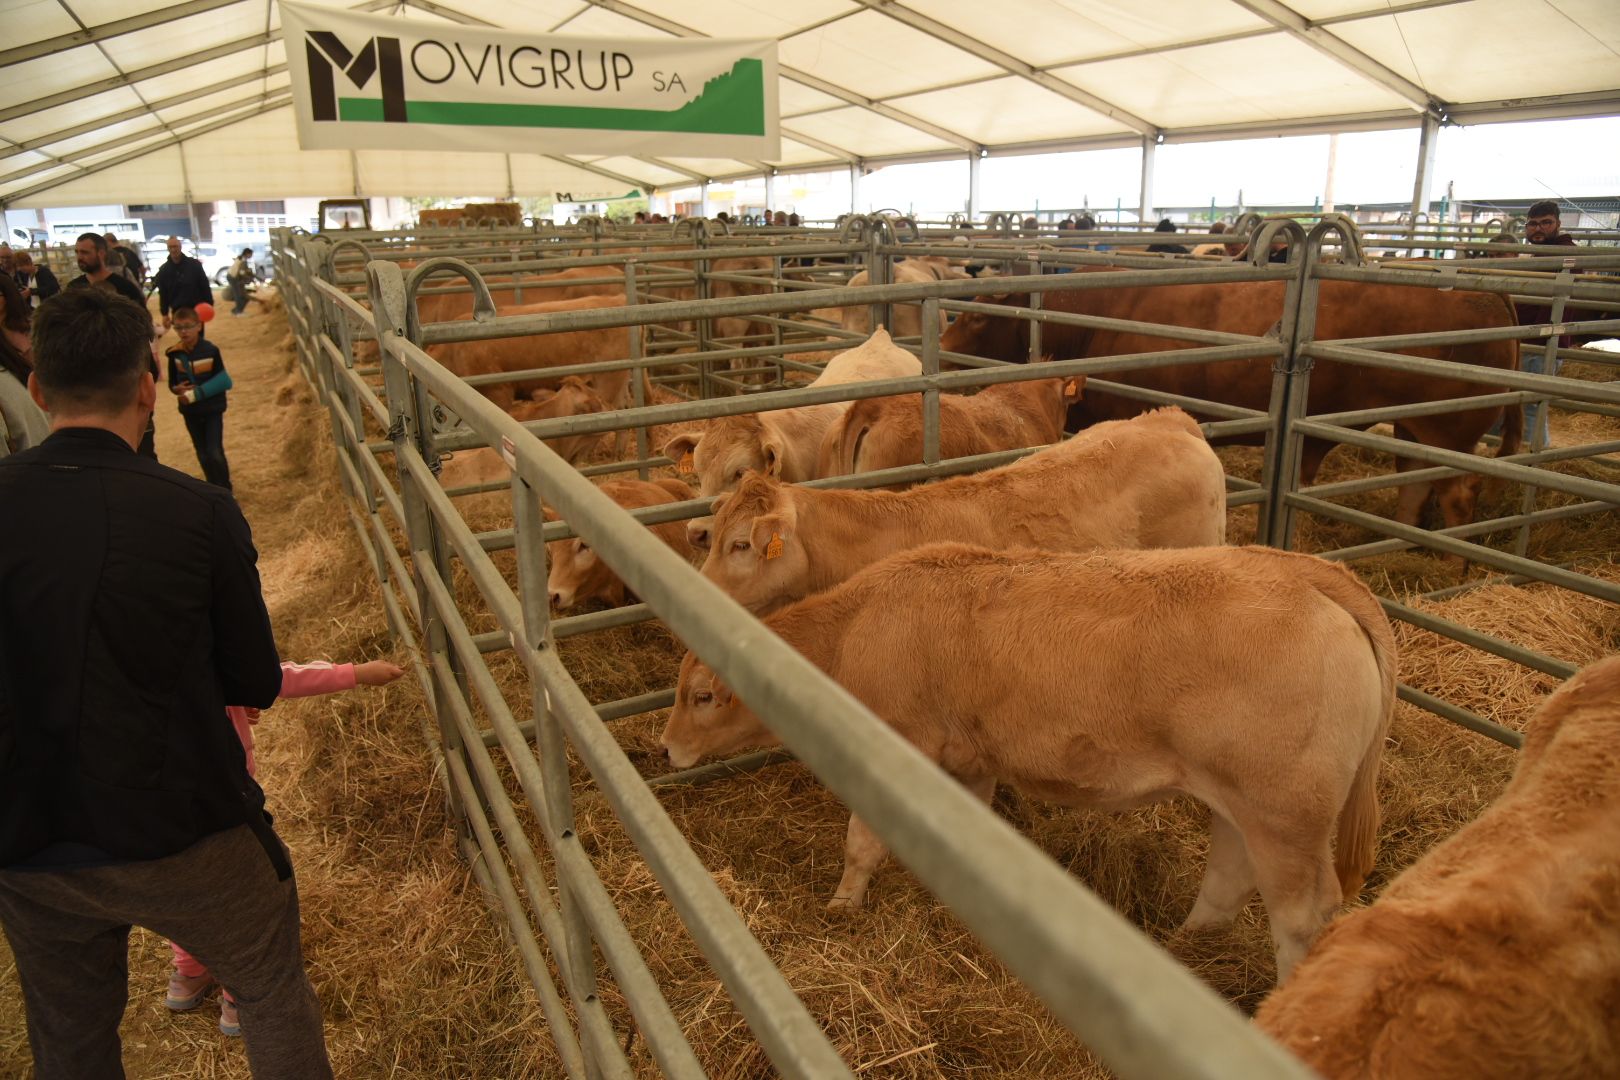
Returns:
(1137, 1008)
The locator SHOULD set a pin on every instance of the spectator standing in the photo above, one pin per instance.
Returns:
(124, 798)
(22, 423)
(127, 260)
(197, 376)
(97, 269)
(238, 277)
(37, 282)
(181, 282)
(1542, 228)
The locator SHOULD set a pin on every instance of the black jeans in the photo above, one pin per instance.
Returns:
(208, 437)
(239, 295)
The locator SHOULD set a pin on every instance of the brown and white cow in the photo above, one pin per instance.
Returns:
(578, 575)
(1151, 481)
(1346, 310)
(883, 433)
(785, 442)
(526, 353)
(1497, 954)
(1111, 680)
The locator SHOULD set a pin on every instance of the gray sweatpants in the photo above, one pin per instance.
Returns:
(219, 899)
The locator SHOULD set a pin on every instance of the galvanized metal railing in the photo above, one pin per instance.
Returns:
(1140, 1011)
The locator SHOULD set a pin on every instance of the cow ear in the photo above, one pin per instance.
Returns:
(1074, 388)
(682, 444)
(769, 530)
(773, 457)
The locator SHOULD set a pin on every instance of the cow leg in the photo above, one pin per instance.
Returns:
(1298, 885)
(863, 851)
(1409, 507)
(1228, 878)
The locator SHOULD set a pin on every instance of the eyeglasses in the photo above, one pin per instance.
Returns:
(1543, 222)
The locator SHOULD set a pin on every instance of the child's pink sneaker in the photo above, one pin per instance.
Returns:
(186, 992)
(229, 1024)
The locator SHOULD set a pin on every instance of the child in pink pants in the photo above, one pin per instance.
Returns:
(190, 983)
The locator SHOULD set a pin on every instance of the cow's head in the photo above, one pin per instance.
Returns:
(728, 449)
(756, 553)
(996, 337)
(575, 397)
(708, 720)
(578, 575)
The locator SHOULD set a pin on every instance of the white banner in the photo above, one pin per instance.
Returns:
(373, 82)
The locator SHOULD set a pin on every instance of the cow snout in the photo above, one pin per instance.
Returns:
(559, 599)
(697, 533)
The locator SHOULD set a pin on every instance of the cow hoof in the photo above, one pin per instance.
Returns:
(844, 903)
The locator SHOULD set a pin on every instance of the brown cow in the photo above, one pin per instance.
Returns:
(537, 289)
(1115, 679)
(574, 397)
(907, 317)
(1151, 481)
(578, 575)
(1497, 954)
(511, 354)
(1346, 310)
(883, 433)
(785, 442)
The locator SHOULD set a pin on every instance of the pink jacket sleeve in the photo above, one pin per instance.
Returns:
(308, 680)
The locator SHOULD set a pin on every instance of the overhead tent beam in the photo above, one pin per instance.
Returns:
(432, 9)
(843, 156)
(282, 96)
(1547, 107)
(598, 170)
(129, 79)
(11, 197)
(1302, 29)
(669, 26)
(139, 111)
(1011, 64)
(92, 34)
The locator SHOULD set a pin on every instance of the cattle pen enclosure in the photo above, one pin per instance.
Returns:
(566, 701)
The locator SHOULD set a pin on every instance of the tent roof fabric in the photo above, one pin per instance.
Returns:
(120, 101)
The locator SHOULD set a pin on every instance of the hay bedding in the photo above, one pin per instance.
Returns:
(415, 979)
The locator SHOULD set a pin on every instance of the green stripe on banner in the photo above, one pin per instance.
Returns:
(731, 104)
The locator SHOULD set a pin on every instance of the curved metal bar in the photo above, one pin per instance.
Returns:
(1349, 237)
(1267, 234)
(483, 302)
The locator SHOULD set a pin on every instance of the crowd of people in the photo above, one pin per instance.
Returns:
(135, 656)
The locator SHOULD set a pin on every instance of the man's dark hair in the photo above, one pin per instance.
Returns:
(1086, 222)
(247, 251)
(96, 239)
(90, 348)
(1544, 208)
(1165, 225)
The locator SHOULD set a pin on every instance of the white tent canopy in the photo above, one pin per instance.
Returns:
(118, 101)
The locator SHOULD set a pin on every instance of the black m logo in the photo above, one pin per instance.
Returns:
(378, 56)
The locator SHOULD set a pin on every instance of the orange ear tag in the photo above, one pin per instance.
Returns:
(773, 550)
(686, 465)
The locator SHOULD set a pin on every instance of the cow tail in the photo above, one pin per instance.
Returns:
(1358, 821)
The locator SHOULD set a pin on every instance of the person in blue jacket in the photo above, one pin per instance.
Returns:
(197, 376)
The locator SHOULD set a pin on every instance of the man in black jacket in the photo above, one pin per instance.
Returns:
(37, 282)
(181, 282)
(130, 616)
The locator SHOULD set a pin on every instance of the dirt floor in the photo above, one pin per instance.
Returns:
(417, 981)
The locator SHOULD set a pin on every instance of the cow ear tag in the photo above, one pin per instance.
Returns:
(686, 465)
(773, 550)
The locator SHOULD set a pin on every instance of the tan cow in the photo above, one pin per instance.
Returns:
(884, 433)
(511, 354)
(907, 317)
(785, 442)
(1111, 680)
(578, 575)
(574, 397)
(1497, 954)
(1151, 481)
